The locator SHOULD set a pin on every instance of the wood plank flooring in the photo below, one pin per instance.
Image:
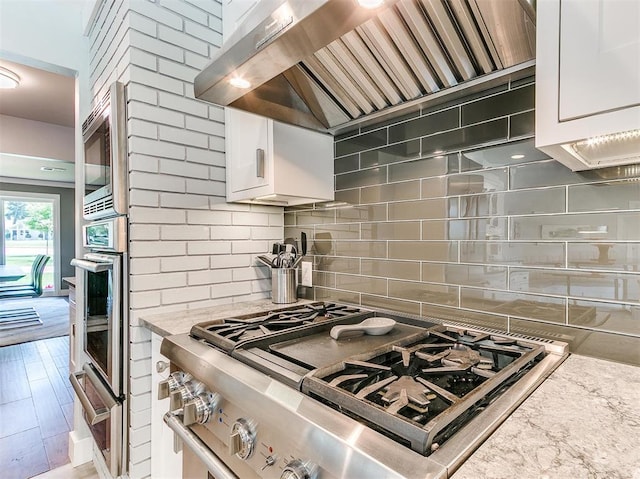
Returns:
(36, 407)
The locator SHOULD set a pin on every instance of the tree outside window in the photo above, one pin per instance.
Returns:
(40, 218)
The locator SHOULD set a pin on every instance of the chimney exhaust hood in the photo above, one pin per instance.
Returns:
(328, 64)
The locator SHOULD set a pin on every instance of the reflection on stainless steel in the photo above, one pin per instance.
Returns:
(414, 402)
(324, 63)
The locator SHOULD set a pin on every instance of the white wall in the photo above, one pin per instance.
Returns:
(36, 138)
(188, 247)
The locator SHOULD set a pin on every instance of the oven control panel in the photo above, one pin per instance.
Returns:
(267, 451)
(256, 438)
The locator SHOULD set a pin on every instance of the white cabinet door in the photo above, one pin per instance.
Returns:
(164, 462)
(273, 163)
(249, 150)
(599, 56)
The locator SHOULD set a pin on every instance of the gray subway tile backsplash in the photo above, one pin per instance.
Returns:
(400, 230)
(604, 256)
(362, 213)
(490, 131)
(372, 176)
(425, 125)
(429, 208)
(474, 227)
(424, 292)
(513, 253)
(546, 173)
(426, 167)
(424, 250)
(604, 196)
(522, 124)
(406, 190)
(593, 227)
(390, 154)
(346, 164)
(391, 269)
(502, 104)
(354, 144)
(361, 284)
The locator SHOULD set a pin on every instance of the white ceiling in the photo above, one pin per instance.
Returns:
(41, 96)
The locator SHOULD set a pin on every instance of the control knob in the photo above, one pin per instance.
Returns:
(298, 469)
(185, 393)
(172, 383)
(243, 438)
(200, 409)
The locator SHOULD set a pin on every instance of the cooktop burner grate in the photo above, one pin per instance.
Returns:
(424, 391)
(231, 332)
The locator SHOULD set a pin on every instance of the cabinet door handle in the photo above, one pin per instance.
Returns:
(260, 163)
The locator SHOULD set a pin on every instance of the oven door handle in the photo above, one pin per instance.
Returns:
(213, 463)
(93, 416)
(92, 266)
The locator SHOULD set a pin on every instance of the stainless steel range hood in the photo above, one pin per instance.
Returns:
(323, 64)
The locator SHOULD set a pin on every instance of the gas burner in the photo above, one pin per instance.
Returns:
(421, 383)
(230, 332)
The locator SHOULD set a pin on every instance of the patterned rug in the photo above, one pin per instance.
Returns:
(53, 320)
(19, 318)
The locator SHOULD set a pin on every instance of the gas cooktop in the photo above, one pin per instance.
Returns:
(433, 389)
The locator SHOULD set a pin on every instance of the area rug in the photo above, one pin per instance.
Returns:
(19, 318)
(54, 317)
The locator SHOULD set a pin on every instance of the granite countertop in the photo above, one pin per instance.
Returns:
(179, 322)
(582, 422)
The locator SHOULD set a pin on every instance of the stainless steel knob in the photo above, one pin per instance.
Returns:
(200, 409)
(298, 469)
(184, 393)
(172, 383)
(161, 366)
(243, 438)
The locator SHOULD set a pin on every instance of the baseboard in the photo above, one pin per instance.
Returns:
(80, 449)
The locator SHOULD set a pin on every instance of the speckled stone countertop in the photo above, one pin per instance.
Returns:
(582, 422)
(179, 322)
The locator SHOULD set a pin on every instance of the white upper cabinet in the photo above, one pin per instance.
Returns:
(588, 81)
(269, 162)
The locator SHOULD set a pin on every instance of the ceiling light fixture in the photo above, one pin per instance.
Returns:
(8, 79)
(517, 157)
(239, 83)
(370, 3)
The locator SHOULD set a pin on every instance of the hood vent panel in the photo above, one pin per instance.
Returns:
(406, 51)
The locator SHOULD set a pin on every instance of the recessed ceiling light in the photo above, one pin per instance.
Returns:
(8, 79)
(517, 157)
(370, 3)
(239, 83)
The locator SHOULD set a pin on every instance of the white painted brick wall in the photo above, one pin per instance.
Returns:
(188, 247)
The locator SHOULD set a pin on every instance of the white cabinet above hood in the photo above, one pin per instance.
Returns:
(588, 82)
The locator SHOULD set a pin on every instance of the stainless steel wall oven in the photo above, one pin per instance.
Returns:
(105, 156)
(101, 385)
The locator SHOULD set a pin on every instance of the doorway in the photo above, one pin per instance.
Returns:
(31, 226)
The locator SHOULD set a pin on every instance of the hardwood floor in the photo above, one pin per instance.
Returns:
(36, 407)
